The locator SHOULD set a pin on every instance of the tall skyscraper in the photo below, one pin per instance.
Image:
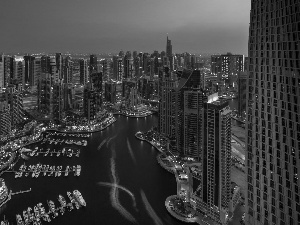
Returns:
(5, 118)
(118, 68)
(83, 71)
(189, 114)
(29, 70)
(242, 92)
(1, 71)
(93, 64)
(167, 95)
(273, 114)
(68, 70)
(128, 67)
(169, 53)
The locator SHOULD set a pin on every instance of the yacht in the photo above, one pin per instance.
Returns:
(36, 213)
(67, 171)
(72, 199)
(25, 216)
(30, 215)
(62, 201)
(79, 197)
(52, 208)
(19, 220)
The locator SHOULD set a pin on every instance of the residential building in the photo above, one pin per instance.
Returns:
(273, 114)
(84, 72)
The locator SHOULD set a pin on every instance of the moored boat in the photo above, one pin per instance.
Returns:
(79, 197)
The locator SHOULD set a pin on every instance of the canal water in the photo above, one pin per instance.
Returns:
(123, 160)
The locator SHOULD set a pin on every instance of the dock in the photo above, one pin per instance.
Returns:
(20, 192)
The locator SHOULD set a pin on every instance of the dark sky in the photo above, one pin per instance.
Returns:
(195, 26)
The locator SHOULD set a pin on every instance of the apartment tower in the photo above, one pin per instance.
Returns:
(273, 113)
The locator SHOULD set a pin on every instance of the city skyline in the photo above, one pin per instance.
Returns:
(102, 26)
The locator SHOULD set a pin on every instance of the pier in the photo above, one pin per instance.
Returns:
(20, 192)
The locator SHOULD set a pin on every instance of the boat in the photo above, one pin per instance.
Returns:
(43, 213)
(30, 215)
(78, 170)
(25, 216)
(52, 208)
(19, 220)
(73, 201)
(4, 222)
(63, 204)
(62, 201)
(67, 171)
(36, 213)
(79, 198)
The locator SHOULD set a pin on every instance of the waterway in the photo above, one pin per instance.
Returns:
(122, 160)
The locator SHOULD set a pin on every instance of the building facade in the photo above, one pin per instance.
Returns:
(273, 114)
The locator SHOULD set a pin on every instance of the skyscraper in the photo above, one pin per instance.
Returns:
(227, 66)
(189, 114)
(1, 71)
(273, 113)
(169, 52)
(29, 70)
(83, 71)
(93, 64)
(167, 96)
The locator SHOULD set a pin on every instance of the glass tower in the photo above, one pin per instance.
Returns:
(273, 118)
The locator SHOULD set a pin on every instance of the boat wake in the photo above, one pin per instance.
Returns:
(130, 151)
(106, 184)
(114, 193)
(110, 139)
(150, 210)
(101, 144)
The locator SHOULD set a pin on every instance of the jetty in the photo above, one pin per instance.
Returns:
(20, 192)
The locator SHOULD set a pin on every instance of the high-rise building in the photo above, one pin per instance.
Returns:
(128, 67)
(45, 94)
(227, 66)
(37, 71)
(59, 64)
(110, 92)
(118, 68)
(90, 99)
(29, 70)
(242, 92)
(168, 82)
(84, 72)
(5, 118)
(67, 70)
(2, 84)
(93, 64)
(58, 101)
(45, 64)
(212, 190)
(273, 114)
(189, 114)
(15, 100)
(169, 53)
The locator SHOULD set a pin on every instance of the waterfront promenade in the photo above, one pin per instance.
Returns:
(170, 162)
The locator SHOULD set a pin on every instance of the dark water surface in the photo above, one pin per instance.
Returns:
(125, 160)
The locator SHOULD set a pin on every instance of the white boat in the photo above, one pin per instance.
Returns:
(36, 213)
(79, 197)
(73, 201)
(25, 216)
(19, 220)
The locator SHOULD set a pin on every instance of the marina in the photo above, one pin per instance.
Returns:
(45, 170)
(39, 212)
(97, 168)
(68, 152)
